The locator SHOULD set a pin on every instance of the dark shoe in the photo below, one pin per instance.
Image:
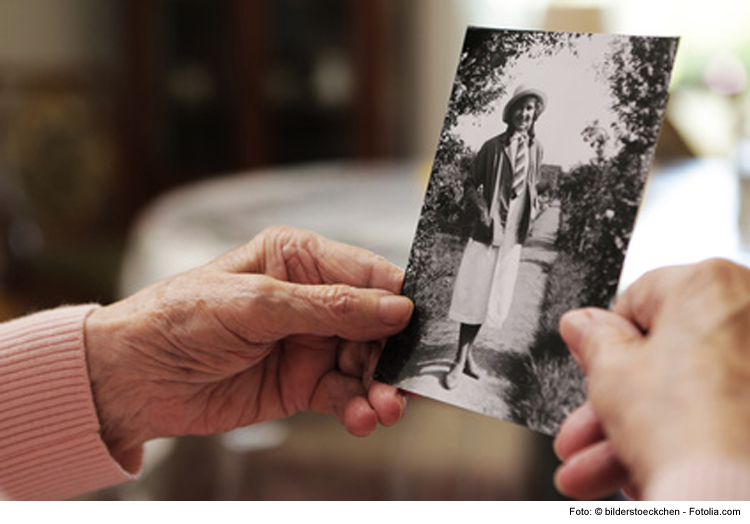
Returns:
(472, 372)
(472, 369)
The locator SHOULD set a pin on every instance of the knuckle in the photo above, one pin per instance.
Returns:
(716, 269)
(277, 232)
(285, 235)
(274, 239)
(289, 243)
(341, 301)
(260, 293)
(725, 278)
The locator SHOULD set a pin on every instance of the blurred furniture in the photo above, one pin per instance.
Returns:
(372, 205)
(211, 86)
(58, 187)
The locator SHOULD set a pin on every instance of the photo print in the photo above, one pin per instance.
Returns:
(532, 198)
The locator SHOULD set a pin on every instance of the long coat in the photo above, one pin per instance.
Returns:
(492, 160)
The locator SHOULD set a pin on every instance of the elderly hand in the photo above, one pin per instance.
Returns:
(668, 380)
(286, 323)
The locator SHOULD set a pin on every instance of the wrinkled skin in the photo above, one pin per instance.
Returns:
(288, 322)
(668, 375)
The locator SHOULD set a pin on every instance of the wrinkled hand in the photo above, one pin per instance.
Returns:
(668, 380)
(286, 323)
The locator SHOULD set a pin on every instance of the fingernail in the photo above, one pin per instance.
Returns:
(578, 320)
(394, 310)
(404, 402)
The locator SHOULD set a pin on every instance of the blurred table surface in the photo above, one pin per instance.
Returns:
(689, 213)
(372, 205)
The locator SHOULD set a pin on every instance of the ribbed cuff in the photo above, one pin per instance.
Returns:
(702, 479)
(50, 445)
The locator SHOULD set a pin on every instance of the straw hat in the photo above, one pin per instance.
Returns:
(522, 92)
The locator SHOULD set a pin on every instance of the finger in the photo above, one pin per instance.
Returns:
(389, 404)
(307, 258)
(359, 360)
(573, 327)
(632, 491)
(644, 299)
(592, 473)
(360, 419)
(353, 358)
(579, 430)
(340, 263)
(279, 309)
(589, 331)
(346, 399)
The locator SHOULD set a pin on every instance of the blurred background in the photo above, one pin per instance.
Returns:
(138, 139)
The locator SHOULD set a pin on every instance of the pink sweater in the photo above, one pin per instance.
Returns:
(49, 432)
(50, 446)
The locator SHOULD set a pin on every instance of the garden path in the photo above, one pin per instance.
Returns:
(498, 352)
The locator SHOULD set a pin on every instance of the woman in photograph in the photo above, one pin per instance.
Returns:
(501, 199)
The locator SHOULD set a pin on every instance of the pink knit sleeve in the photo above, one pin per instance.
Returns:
(50, 447)
(702, 479)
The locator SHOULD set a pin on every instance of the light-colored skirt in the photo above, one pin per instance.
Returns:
(486, 279)
(485, 282)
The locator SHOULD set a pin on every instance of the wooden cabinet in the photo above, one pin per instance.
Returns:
(210, 86)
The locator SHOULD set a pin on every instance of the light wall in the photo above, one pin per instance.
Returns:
(706, 30)
(54, 34)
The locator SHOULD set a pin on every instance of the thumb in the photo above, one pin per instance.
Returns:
(352, 313)
(590, 331)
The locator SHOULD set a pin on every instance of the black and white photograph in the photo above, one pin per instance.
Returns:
(533, 194)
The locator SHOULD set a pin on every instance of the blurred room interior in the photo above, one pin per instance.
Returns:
(138, 139)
